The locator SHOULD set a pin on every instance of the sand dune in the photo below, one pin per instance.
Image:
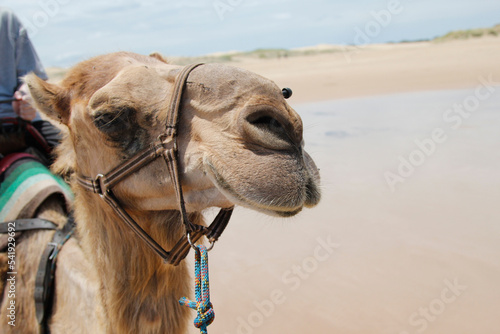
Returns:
(383, 69)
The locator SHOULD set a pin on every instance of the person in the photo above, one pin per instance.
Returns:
(18, 57)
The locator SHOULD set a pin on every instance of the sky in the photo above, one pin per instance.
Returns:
(65, 32)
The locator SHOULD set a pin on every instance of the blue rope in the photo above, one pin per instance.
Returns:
(202, 305)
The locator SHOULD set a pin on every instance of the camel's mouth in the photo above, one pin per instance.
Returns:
(267, 206)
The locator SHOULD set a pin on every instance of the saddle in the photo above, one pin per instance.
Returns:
(18, 135)
(25, 183)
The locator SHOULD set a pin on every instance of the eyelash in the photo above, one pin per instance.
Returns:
(106, 119)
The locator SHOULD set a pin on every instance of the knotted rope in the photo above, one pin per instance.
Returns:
(202, 291)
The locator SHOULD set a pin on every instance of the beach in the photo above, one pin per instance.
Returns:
(406, 237)
(382, 69)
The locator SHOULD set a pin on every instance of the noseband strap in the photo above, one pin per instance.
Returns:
(165, 146)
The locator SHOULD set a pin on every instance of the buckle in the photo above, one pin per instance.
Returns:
(165, 142)
(101, 189)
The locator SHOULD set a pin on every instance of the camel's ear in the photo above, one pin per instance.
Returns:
(158, 56)
(49, 98)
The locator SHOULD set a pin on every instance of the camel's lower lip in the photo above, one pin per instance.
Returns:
(286, 214)
(230, 192)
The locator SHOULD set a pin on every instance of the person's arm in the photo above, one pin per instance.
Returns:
(22, 106)
(27, 61)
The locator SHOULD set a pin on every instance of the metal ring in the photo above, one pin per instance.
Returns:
(190, 242)
(212, 243)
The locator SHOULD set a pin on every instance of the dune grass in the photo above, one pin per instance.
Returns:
(471, 33)
(280, 53)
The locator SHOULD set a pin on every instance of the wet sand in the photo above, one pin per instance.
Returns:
(406, 238)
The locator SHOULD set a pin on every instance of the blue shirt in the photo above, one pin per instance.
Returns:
(17, 58)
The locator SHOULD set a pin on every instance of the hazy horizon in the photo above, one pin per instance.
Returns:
(66, 31)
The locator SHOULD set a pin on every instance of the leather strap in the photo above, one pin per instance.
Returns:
(102, 183)
(213, 232)
(44, 282)
(176, 99)
(170, 156)
(166, 146)
(173, 170)
(219, 224)
(111, 200)
(21, 225)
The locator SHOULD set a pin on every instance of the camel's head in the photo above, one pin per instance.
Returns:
(239, 141)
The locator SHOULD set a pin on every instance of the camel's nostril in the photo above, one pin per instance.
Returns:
(269, 122)
(271, 127)
(265, 130)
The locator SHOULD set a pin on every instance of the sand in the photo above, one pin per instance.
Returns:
(418, 256)
(383, 69)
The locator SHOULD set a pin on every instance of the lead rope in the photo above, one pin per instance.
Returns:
(202, 305)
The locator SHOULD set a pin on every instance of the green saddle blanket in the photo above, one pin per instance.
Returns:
(25, 184)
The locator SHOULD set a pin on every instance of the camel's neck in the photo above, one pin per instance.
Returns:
(139, 292)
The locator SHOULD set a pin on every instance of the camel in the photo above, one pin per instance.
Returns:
(239, 142)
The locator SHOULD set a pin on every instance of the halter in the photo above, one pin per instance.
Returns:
(164, 146)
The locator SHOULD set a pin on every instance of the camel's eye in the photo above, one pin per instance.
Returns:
(112, 121)
(104, 120)
(122, 129)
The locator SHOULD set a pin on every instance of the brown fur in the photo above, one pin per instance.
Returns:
(27, 245)
(239, 142)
